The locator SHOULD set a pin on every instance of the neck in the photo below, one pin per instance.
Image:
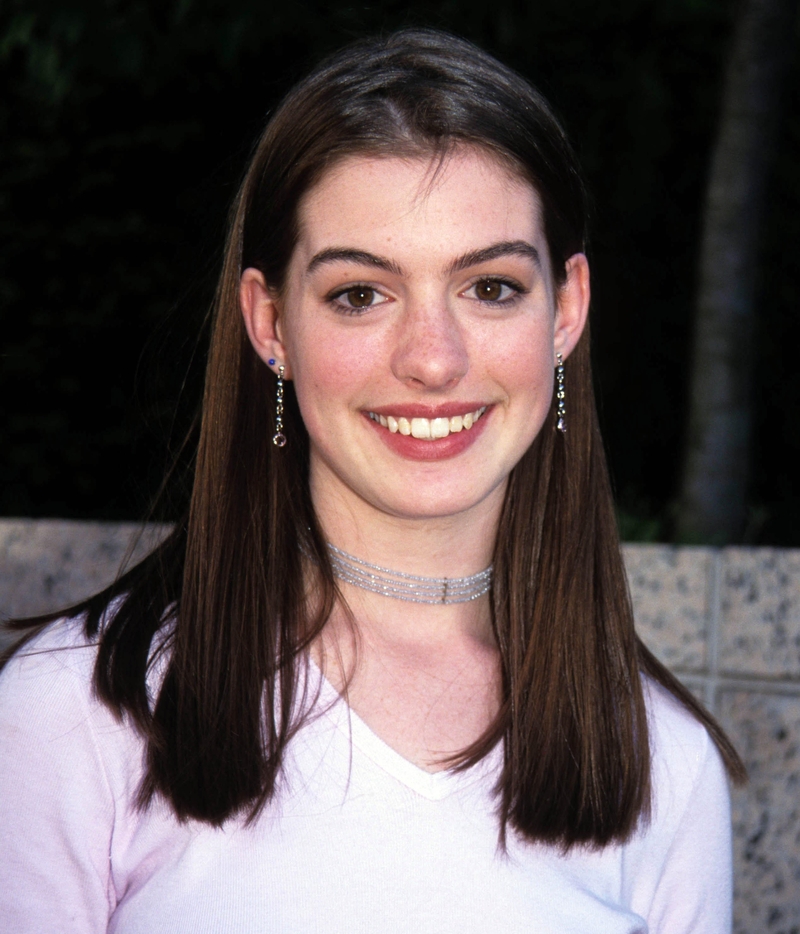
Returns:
(438, 546)
(408, 588)
(428, 553)
(412, 633)
(456, 545)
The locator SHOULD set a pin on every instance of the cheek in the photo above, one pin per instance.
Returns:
(329, 370)
(529, 379)
(527, 360)
(534, 395)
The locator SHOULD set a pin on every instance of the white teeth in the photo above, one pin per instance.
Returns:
(428, 429)
(440, 427)
(421, 427)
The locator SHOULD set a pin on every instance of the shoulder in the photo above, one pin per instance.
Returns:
(66, 632)
(52, 670)
(675, 732)
(689, 780)
(680, 744)
(69, 771)
(680, 860)
(51, 676)
(49, 715)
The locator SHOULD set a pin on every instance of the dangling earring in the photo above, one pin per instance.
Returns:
(561, 410)
(279, 438)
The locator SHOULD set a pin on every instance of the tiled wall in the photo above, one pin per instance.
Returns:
(726, 621)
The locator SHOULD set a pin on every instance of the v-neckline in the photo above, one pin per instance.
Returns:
(432, 785)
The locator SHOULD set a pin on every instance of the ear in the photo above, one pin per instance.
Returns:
(573, 305)
(262, 319)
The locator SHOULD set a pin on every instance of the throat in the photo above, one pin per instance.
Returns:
(428, 707)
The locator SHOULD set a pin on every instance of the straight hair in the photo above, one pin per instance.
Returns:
(227, 599)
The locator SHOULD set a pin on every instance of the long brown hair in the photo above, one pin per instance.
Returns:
(227, 586)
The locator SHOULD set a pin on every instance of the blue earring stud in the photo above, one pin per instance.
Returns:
(271, 361)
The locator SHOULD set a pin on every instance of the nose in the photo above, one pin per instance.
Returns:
(430, 351)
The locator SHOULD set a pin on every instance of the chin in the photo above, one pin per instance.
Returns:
(430, 504)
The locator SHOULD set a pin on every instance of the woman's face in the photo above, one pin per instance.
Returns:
(419, 322)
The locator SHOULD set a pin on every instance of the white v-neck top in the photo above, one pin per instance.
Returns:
(358, 839)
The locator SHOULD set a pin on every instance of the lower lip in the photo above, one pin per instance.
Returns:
(418, 450)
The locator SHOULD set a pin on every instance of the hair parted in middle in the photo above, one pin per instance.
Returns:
(229, 580)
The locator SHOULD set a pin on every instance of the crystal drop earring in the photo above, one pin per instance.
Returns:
(279, 438)
(561, 410)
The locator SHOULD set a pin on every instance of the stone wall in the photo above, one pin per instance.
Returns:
(727, 621)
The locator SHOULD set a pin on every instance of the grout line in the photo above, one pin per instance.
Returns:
(713, 634)
(783, 687)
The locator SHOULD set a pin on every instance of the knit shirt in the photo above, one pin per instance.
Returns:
(357, 840)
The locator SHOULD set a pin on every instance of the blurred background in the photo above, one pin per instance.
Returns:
(126, 127)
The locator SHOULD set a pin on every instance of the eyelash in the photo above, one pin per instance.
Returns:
(341, 307)
(518, 290)
(333, 298)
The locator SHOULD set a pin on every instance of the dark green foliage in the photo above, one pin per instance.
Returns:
(125, 128)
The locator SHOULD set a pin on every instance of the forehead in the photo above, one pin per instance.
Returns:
(420, 205)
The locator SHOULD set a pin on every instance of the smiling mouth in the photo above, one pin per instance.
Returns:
(428, 429)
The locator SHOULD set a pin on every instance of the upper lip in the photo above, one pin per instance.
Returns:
(421, 410)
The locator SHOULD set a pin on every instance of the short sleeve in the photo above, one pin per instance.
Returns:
(57, 810)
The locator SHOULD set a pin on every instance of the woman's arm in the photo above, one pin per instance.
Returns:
(57, 809)
(693, 889)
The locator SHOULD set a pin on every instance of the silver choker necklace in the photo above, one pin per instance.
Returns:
(409, 587)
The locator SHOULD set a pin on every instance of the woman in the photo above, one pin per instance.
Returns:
(384, 676)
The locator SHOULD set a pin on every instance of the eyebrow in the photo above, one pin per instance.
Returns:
(496, 251)
(347, 255)
(473, 258)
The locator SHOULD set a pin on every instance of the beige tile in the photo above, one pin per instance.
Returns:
(760, 624)
(766, 813)
(45, 565)
(670, 592)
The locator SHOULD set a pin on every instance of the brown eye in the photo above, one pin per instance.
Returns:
(496, 291)
(489, 290)
(360, 297)
(353, 299)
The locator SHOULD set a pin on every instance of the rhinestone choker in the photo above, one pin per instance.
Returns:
(409, 587)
